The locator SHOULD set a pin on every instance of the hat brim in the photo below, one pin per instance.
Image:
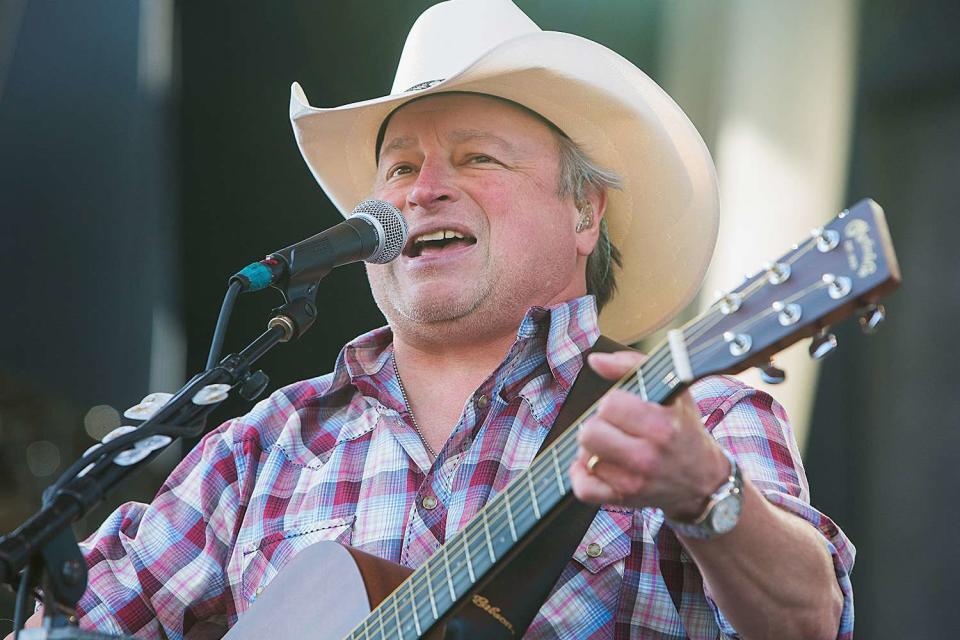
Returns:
(664, 220)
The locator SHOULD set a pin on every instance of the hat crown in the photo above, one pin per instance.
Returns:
(450, 35)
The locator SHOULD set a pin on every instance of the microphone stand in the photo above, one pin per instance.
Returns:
(44, 546)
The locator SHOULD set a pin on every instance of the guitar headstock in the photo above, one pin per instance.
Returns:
(842, 268)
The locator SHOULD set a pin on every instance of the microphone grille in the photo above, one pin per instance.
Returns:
(392, 225)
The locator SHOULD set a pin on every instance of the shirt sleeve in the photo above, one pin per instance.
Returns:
(752, 426)
(155, 569)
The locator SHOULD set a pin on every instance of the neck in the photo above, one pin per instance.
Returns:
(438, 379)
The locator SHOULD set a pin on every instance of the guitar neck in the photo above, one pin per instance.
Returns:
(433, 589)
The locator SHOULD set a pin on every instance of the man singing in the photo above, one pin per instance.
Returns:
(544, 179)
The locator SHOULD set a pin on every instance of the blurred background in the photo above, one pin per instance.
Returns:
(146, 155)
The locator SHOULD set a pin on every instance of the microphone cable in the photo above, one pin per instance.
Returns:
(223, 320)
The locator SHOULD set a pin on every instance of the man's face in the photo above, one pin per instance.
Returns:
(482, 173)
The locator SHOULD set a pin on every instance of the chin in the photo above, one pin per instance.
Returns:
(437, 309)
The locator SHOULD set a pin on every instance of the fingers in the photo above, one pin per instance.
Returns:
(590, 488)
(618, 450)
(637, 417)
(615, 365)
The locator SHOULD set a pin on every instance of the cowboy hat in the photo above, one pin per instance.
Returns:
(665, 218)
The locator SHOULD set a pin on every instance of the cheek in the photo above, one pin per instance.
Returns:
(392, 194)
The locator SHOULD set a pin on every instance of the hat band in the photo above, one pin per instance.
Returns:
(424, 85)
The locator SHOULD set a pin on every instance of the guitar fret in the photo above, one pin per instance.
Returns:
(446, 564)
(556, 468)
(486, 532)
(642, 383)
(533, 495)
(433, 602)
(466, 551)
(413, 605)
(396, 615)
(513, 530)
(383, 632)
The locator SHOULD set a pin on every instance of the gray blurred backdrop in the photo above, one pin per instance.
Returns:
(146, 155)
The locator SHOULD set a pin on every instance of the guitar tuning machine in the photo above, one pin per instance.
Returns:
(771, 374)
(871, 317)
(822, 345)
(740, 343)
(777, 272)
(827, 239)
(837, 286)
(729, 303)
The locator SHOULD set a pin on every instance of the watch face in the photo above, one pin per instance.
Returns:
(725, 514)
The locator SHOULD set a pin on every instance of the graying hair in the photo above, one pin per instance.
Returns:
(579, 176)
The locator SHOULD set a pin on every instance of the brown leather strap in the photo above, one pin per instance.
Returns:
(521, 586)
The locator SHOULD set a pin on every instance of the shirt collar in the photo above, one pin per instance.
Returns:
(565, 331)
(562, 331)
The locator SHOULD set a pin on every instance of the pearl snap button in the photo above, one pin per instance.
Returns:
(594, 550)
(483, 401)
(429, 503)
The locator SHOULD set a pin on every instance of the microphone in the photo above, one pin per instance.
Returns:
(375, 232)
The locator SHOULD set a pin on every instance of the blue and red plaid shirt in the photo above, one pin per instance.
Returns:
(336, 458)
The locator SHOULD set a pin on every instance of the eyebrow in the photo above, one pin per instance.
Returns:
(467, 135)
(401, 142)
(458, 136)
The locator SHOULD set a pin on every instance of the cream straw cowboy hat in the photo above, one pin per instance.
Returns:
(665, 218)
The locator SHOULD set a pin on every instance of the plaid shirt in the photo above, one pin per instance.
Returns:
(336, 458)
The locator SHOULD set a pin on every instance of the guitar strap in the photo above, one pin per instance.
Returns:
(506, 601)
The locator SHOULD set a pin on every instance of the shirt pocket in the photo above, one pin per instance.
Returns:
(606, 543)
(262, 560)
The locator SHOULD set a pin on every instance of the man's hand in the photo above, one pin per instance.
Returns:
(649, 455)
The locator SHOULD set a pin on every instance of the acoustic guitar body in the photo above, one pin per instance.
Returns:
(323, 593)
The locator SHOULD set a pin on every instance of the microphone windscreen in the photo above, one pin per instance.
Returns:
(391, 227)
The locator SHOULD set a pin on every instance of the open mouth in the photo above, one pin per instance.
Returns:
(437, 242)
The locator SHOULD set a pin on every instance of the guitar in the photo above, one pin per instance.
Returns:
(843, 267)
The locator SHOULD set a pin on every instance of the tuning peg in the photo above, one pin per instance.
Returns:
(872, 317)
(827, 239)
(822, 345)
(729, 302)
(777, 272)
(772, 374)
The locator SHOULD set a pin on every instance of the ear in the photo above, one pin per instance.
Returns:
(587, 238)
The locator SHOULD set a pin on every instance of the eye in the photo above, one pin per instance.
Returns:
(399, 170)
(480, 159)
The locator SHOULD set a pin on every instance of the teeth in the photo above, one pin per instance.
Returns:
(438, 235)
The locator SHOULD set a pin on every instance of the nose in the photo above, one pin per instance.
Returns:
(434, 184)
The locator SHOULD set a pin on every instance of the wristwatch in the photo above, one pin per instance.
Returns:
(722, 511)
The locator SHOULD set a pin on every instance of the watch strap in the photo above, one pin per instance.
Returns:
(701, 527)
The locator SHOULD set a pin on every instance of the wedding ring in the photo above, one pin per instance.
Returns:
(592, 463)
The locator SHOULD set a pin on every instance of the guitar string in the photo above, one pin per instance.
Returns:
(758, 317)
(457, 546)
(700, 325)
(759, 283)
